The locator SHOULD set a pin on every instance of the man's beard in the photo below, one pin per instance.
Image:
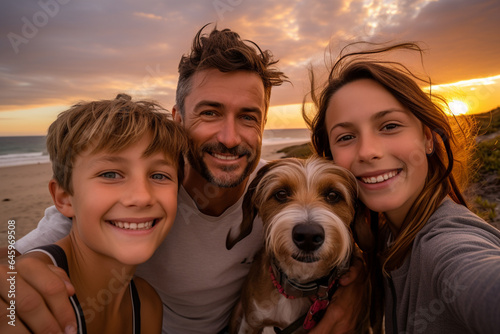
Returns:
(195, 159)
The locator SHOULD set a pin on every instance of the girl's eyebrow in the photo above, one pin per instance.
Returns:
(383, 113)
(376, 116)
(340, 125)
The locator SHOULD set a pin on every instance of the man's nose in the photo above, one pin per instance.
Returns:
(228, 134)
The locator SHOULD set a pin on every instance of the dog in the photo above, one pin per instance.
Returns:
(306, 207)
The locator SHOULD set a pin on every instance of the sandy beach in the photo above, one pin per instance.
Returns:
(24, 194)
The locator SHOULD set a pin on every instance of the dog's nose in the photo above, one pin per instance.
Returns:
(308, 237)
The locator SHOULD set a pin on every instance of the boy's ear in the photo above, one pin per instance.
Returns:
(176, 115)
(61, 198)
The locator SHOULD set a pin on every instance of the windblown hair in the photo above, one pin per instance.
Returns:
(112, 125)
(225, 51)
(452, 138)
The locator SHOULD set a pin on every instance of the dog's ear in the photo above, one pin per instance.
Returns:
(361, 228)
(249, 209)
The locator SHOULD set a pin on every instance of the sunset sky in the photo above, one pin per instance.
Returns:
(54, 53)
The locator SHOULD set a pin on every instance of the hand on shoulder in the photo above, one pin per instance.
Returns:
(40, 295)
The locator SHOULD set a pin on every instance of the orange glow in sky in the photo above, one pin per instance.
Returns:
(91, 50)
(470, 96)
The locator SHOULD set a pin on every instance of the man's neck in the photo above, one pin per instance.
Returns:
(211, 199)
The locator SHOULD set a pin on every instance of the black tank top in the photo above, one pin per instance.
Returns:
(58, 256)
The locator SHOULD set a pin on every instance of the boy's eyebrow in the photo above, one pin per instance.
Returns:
(117, 159)
(107, 158)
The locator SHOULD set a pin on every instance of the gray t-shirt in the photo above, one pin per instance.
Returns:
(197, 278)
(450, 283)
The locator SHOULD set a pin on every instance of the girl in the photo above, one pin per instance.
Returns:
(440, 262)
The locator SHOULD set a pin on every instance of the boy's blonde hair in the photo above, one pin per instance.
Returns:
(112, 125)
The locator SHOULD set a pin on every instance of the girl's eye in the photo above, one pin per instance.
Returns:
(390, 126)
(110, 175)
(346, 138)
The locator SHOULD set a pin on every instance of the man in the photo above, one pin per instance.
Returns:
(222, 100)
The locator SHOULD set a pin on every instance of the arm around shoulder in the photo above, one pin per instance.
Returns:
(40, 297)
(51, 228)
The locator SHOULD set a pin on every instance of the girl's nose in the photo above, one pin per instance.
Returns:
(369, 148)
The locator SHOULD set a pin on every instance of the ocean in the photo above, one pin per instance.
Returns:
(22, 150)
(28, 150)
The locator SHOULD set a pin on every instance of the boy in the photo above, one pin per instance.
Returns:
(117, 169)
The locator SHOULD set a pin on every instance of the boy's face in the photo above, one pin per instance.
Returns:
(123, 203)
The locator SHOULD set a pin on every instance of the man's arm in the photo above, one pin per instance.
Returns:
(51, 228)
(33, 293)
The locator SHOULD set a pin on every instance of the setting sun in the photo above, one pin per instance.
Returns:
(458, 107)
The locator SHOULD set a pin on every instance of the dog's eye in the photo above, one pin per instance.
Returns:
(281, 195)
(332, 197)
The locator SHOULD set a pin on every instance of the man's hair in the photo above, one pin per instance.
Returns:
(112, 125)
(225, 51)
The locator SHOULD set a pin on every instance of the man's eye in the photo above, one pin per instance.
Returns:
(249, 118)
(208, 113)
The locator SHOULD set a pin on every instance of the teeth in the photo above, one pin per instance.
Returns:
(133, 226)
(225, 157)
(379, 178)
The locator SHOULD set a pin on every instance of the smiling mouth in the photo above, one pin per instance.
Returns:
(380, 178)
(225, 157)
(134, 226)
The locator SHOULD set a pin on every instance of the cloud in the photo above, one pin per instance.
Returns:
(62, 51)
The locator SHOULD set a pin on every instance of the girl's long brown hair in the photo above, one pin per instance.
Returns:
(448, 163)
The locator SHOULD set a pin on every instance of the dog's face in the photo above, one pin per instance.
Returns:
(306, 207)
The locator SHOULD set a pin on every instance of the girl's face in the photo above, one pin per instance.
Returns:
(382, 143)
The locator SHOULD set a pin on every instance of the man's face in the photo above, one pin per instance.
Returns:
(224, 117)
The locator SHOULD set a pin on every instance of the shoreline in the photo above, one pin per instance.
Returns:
(24, 194)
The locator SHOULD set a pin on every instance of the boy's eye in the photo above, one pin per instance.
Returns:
(160, 177)
(110, 175)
